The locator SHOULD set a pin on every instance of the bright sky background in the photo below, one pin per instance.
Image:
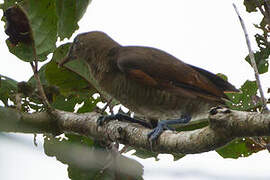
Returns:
(206, 34)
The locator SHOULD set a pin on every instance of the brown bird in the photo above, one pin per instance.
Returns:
(150, 82)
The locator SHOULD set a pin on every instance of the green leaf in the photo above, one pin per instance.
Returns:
(251, 5)
(246, 100)
(240, 147)
(80, 139)
(223, 76)
(261, 60)
(61, 52)
(262, 41)
(21, 50)
(66, 80)
(192, 125)
(8, 88)
(89, 105)
(176, 157)
(65, 103)
(9, 3)
(69, 12)
(144, 154)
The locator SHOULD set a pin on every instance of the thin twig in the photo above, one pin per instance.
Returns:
(38, 82)
(252, 58)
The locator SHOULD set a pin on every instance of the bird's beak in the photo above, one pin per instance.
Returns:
(64, 61)
(69, 57)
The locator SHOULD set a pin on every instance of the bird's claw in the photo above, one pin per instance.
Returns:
(101, 120)
(156, 132)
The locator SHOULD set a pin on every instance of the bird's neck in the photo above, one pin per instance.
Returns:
(101, 65)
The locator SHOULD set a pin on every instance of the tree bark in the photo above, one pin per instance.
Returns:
(225, 125)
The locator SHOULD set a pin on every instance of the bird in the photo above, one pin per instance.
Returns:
(159, 88)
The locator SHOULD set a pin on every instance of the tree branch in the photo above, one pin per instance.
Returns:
(225, 125)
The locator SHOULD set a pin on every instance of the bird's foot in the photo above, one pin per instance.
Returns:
(164, 125)
(156, 132)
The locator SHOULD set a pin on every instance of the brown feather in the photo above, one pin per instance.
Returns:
(142, 77)
(170, 73)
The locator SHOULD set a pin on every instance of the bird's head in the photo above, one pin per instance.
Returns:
(88, 46)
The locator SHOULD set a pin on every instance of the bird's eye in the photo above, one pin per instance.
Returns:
(72, 50)
(76, 40)
(76, 44)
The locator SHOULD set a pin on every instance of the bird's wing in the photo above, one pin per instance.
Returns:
(153, 67)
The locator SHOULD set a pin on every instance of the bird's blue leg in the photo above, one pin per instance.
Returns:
(121, 117)
(164, 125)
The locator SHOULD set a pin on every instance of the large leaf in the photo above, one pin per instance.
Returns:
(38, 37)
(69, 12)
